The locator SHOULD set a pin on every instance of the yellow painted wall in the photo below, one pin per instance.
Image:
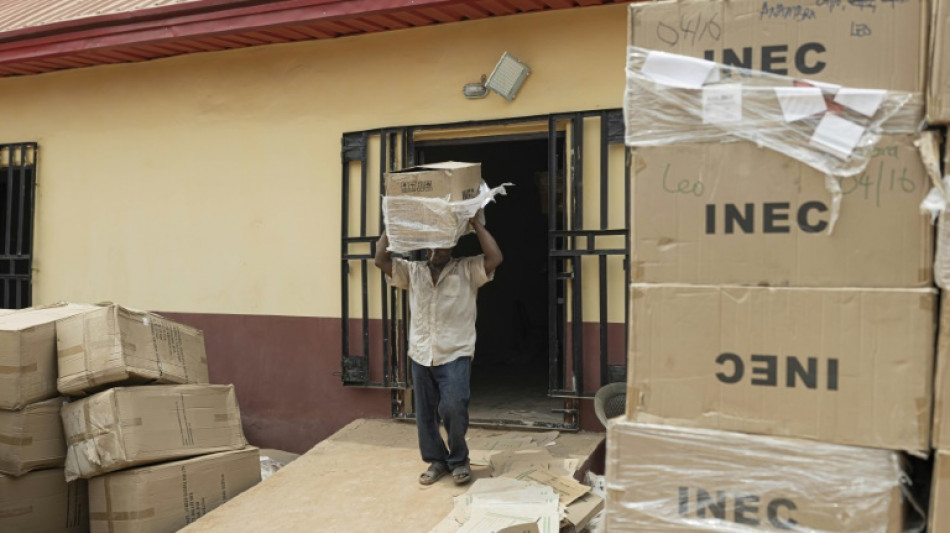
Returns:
(210, 182)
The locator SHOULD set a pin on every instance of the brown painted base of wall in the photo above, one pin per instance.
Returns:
(285, 371)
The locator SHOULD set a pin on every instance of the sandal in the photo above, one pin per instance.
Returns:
(462, 474)
(433, 473)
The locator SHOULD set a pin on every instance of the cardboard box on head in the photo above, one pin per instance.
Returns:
(429, 206)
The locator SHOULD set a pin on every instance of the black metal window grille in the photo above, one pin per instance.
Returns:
(17, 204)
(569, 243)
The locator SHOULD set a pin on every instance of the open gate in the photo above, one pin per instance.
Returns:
(588, 197)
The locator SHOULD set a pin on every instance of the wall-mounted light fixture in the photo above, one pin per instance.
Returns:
(506, 79)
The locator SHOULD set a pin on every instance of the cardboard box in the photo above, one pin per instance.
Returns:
(874, 46)
(169, 496)
(941, 416)
(451, 179)
(32, 438)
(847, 366)
(940, 493)
(663, 479)
(733, 213)
(124, 427)
(113, 345)
(938, 89)
(42, 502)
(28, 353)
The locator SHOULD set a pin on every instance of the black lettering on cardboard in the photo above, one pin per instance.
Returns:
(710, 219)
(801, 58)
(746, 511)
(776, 520)
(832, 374)
(769, 372)
(803, 222)
(770, 59)
(684, 501)
(745, 221)
(738, 368)
(794, 370)
(729, 57)
(773, 212)
(717, 508)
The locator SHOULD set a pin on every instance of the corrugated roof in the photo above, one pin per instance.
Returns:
(19, 14)
(39, 36)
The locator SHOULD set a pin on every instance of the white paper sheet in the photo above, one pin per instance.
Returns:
(800, 102)
(679, 71)
(837, 136)
(864, 101)
(722, 104)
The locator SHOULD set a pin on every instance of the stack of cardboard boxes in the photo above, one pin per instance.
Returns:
(776, 370)
(158, 444)
(34, 494)
(940, 487)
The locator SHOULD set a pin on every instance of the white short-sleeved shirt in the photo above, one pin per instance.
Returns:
(442, 327)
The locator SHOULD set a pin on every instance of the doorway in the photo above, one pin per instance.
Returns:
(510, 369)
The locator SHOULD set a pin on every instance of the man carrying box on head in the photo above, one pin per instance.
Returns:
(442, 293)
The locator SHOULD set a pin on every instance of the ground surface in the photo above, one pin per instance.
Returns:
(363, 478)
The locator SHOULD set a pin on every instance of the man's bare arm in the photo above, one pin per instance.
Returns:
(384, 258)
(493, 256)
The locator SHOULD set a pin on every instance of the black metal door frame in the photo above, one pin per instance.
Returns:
(17, 208)
(568, 243)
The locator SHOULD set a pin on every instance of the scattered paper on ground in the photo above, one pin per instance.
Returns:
(567, 489)
(494, 503)
(503, 462)
(482, 448)
(583, 510)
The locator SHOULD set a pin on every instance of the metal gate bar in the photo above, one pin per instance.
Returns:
(18, 180)
(566, 233)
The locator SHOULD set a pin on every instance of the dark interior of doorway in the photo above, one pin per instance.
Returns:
(510, 369)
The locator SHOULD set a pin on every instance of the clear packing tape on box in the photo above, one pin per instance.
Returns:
(417, 223)
(664, 478)
(672, 99)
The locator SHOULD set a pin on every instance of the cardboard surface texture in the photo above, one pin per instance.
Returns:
(124, 427)
(870, 45)
(32, 438)
(733, 213)
(845, 365)
(28, 353)
(662, 478)
(938, 90)
(42, 502)
(167, 497)
(939, 515)
(113, 345)
(451, 179)
(941, 417)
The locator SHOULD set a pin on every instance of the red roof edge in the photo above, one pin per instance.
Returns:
(192, 20)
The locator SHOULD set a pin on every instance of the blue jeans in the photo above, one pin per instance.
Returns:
(442, 392)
